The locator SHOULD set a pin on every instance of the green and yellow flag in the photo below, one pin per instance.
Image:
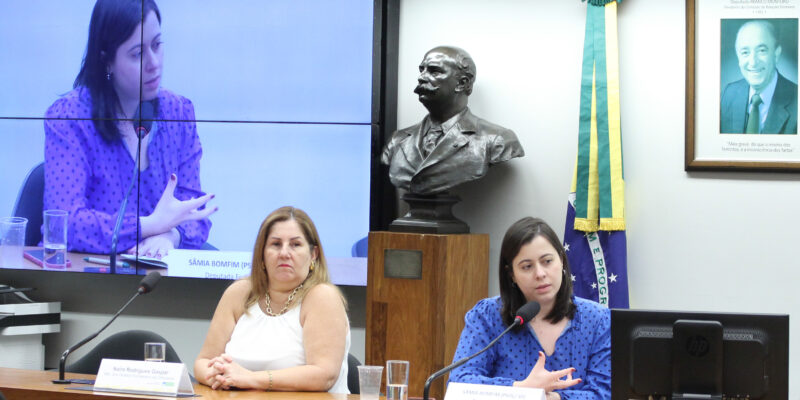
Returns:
(597, 183)
(594, 235)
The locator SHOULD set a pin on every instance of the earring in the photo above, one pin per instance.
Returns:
(313, 264)
(564, 272)
(108, 76)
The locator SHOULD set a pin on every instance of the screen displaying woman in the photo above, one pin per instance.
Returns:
(91, 143)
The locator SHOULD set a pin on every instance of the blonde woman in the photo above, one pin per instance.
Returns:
(285, 327)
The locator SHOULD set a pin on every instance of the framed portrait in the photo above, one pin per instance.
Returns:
(742, 85)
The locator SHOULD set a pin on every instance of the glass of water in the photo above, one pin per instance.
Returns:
(55, 239)
(12, 241)
(369, 381)
(154, 351)
(397, 380)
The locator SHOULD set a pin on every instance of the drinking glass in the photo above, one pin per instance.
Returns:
(369, 381)
(154, 351)
(12, 241)
(55, 239)
(397, 380)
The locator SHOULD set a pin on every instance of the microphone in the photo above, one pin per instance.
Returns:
(145, 286)
(142, 123)
(523, 316)
(149, 282)
(143, 118)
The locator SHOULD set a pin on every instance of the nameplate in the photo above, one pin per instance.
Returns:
(209, 264)
(232, 265)
(143, 377)
(471, 391)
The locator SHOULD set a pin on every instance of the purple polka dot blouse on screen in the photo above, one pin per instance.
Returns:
(585, 344)
(88, 176)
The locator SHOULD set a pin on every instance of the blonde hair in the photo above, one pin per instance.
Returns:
(259, 280)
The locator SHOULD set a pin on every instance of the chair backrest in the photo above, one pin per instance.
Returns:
(125, 345)
(30, 203)
(352, 374)
(360, 248)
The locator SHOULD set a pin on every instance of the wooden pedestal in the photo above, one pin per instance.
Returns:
(417, 314)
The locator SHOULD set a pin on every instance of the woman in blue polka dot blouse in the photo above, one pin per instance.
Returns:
(91, 143)
(565, 349)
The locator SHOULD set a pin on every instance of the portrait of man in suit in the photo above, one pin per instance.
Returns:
(763, 101)
(450, 145)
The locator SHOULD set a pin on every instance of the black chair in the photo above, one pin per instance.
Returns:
(30, 203)
(126, 345)
(352, 374)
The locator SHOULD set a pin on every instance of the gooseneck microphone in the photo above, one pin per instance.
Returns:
(523, 316)
(145, 286)
(143, 121)
(143, 118)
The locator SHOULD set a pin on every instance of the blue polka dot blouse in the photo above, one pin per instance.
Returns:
(584, 345)
(87, 176)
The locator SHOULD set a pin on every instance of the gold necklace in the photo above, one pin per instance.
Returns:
(285, 306)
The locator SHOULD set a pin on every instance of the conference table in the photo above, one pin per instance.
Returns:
(33, 384)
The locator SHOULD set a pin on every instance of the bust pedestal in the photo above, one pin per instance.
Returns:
(419, 287)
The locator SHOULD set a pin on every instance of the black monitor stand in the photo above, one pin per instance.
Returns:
(697, 360)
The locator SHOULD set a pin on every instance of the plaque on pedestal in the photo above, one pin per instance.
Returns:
(419, 287)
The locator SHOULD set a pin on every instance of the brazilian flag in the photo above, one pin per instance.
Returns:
(594, 236)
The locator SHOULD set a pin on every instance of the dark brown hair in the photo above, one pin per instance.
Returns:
(112, 23)
(519, 234)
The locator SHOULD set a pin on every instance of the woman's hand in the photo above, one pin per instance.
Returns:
(215, 370)
(548, 380)
(158, 246)
(171, 212)
(225, 374)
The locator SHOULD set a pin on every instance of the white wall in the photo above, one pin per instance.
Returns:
(699, 241)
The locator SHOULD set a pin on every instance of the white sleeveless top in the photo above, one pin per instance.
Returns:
(260, 342)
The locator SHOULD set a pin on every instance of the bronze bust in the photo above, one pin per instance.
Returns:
(451, 145)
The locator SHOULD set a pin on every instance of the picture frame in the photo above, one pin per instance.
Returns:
(736, 49)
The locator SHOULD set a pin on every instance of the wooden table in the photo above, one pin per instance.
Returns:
(31, 384)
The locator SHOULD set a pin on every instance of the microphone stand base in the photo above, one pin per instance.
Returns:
(62, 381)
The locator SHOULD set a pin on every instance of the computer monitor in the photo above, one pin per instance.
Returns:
(681, 354)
